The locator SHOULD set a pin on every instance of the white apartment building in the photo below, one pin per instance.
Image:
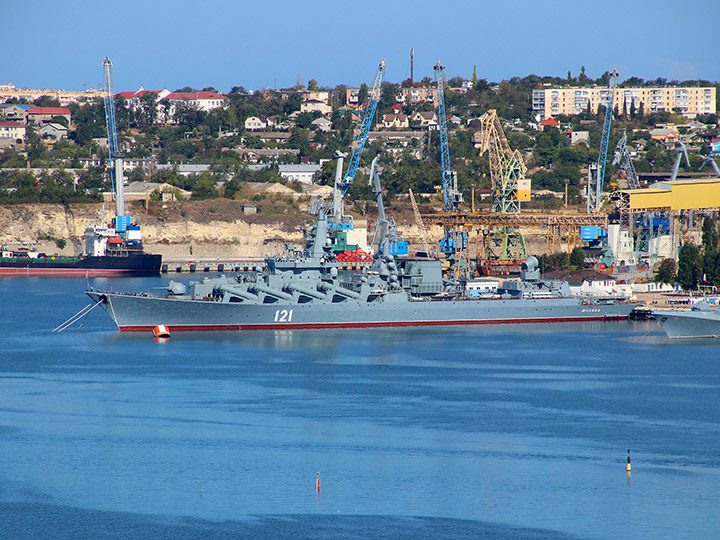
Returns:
(689, 101)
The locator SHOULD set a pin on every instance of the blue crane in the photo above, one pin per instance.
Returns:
(362, 136)
(114, 154)
(595, 188)
(451, 197)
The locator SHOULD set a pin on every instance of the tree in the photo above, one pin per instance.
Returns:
(312, 85)
(577, 258)
(205, 187)
(62, 120)
(363, 94)
(666, 272)
(687, 273)
(46, 101)
(148, 109)
(709, 234)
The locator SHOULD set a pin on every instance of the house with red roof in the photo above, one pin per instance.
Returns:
(550, 122)
(201, 101)
(167, 101)
(44, 115)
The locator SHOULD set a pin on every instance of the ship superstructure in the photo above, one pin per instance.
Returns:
(304, 289)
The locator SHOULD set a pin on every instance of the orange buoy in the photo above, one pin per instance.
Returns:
(161, 331)
(317, 482)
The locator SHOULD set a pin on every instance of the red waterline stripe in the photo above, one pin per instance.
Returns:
(23, 272)
(319, 326)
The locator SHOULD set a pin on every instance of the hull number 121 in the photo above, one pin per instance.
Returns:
(283, 315)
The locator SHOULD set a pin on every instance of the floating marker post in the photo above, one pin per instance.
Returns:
(628, 468)
(317, 483)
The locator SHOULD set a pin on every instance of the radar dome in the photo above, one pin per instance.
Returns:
(531, 263)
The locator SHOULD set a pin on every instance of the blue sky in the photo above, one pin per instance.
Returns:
(268, 44)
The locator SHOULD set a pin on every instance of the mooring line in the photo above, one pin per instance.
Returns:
(79, 315)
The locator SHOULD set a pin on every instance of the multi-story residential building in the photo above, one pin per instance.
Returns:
(418, 94)
(12, 130)
(202, 101)
(316, 101)
(689, 101)
(14, 113)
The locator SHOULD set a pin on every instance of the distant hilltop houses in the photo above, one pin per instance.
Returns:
(65, 97)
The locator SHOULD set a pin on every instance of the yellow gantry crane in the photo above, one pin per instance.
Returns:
(507, 167)
(508, 184)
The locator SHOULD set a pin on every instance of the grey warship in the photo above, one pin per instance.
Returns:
(701, 321)
(304, 289)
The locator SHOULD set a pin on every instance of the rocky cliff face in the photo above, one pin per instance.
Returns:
(236, 238)
(199, 232)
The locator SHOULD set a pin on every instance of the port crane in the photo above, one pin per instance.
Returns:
(507, 167)
(421, 227)
(508, 184)
(622, 158)
(387, 237)
(596, 172)
(711, 160)
(682, 151)
(342, 185)
(454, 241)
(451, 196)
(115, 156)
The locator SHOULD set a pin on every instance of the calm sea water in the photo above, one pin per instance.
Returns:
(495, 432)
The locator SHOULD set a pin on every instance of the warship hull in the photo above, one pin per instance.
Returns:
(139, 313)
(689, 324)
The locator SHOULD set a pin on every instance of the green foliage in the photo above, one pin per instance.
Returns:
(46, 101)
(666, 272)
(688, 266)
(577, 258)
(62, 120)
(204, 187)
(306, 118)
(554, 261)
(709, 234)
(89, 121)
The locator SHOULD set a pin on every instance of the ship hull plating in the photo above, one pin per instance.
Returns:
(137, 313)
(689, 324)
